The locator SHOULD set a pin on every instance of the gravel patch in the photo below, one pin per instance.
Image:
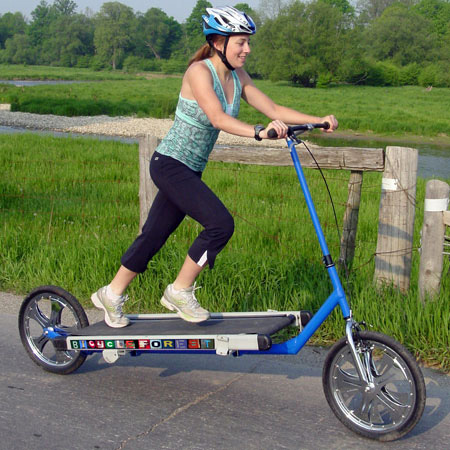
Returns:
(112, 126)
(51, 122)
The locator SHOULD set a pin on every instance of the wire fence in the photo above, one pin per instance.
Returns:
(84, 196)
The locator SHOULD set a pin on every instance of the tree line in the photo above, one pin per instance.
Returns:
(309, 43)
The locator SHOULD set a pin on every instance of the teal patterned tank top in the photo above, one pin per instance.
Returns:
(192, 136)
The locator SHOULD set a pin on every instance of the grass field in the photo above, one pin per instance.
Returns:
(69, 209)
(21, 72)
(391, 111)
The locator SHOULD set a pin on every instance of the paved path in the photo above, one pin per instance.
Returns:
(185, 401)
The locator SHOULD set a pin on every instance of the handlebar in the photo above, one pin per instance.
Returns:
(298, 129)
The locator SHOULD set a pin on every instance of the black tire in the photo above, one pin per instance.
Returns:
(51, 306)
(392, 405)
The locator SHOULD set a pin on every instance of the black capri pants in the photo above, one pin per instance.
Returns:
(181, 193)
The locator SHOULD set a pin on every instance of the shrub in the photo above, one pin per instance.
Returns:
(409, 75)
(324, 80)
(383, 74)
(98, 63)
(434, 75)
(83, 62)
(173, 65)
(136, 64)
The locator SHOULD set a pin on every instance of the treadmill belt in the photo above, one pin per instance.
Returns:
(160, 327)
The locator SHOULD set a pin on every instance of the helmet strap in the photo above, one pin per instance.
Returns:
(221, 54)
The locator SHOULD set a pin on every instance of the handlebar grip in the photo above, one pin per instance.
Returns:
(272, 133)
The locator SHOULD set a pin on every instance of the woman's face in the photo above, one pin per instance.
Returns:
(238, 49)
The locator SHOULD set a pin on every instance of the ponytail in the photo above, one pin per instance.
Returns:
(207, 50)
(204, 52)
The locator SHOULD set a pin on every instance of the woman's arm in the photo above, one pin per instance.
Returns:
(260, 101)
(198, 85)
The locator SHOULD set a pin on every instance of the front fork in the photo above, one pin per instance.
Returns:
(352, 329)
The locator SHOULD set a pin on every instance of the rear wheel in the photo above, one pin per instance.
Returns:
(45, 308)
(387, 407)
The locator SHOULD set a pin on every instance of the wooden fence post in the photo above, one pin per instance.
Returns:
(433, 232)
(351, 219)
(396, 218)
(147, 189)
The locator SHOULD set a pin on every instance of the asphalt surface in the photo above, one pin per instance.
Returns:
(184, 401)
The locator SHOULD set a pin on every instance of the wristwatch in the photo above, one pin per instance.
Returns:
(258, 129)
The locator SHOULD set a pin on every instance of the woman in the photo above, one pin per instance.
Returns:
(209, 102)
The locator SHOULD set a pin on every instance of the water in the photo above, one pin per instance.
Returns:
(14, 130)
(27, 83)
(434, 160)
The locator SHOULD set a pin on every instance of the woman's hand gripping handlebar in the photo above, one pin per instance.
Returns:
(295, 130)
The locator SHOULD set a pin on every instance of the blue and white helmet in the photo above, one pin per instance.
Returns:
(227, 21)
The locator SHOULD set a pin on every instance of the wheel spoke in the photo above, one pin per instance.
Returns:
(56, 311)
(62, 357)
(39, 342)
(375, 415)
(394, 400)
(381, 366)
(36, 314)
(363, 409)
(347, 382)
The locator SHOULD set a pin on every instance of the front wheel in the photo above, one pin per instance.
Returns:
(51, 308)
(391, 403)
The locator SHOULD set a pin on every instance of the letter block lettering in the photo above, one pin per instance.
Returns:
(181, 344)
(144, 343)
(207, 343)
(168, 343)
(194, 343)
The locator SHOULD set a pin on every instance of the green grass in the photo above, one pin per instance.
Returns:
(388, 111)
(69, 209)
(392, 111)
(21, 72)
(153, 98)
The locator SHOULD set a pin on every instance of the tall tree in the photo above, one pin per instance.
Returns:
(270, 9)
(64, 7)
(113, 32)
(303, 41)
(193, 27)
(402, 35)
(42, 16)
(438, 12)
(369, 10)
(71, 36)
(11, 24)
(19, 50)
(158, 32)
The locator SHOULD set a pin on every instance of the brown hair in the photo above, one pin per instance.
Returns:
(206, 51)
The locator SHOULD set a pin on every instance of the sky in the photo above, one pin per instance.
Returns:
(178, 9)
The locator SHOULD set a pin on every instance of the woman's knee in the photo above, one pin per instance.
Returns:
(224, 227)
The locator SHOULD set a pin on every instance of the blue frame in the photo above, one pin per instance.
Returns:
(294, 345)
(337, 297)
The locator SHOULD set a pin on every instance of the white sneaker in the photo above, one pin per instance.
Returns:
(185, 303)
(113, 309)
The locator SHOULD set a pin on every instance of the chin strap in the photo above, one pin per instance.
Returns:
(221, 55)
